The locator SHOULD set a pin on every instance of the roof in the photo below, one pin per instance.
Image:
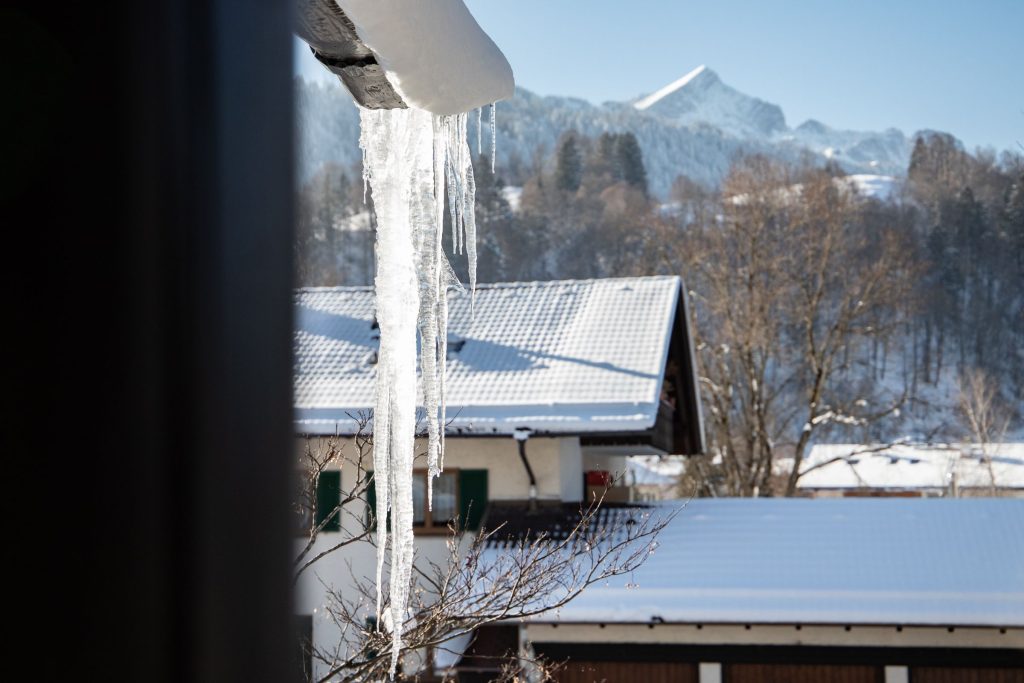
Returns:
(512, 522)
(914, 466)
(572, 357)
(890, 561)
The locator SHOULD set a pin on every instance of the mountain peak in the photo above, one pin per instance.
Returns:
(701, 73)
(700, 97)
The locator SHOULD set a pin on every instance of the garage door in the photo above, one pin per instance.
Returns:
(801, 673)
(928, 674)
(627, 672)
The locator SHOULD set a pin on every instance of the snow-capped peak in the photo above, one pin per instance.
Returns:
(645, 102)
(701, 98)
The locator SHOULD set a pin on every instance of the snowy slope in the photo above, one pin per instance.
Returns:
(879, 187)
(854, 148)
(694, 126)
(934, 466)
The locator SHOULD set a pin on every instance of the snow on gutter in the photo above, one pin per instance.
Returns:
(429, 55)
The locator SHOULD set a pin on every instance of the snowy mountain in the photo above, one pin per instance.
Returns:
(852, 148)
(701, 97)
(694, 126)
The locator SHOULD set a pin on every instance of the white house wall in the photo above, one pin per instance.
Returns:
(556, 461)
(571, 474)
(557, 465)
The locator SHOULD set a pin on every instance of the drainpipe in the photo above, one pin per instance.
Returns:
(521, 434)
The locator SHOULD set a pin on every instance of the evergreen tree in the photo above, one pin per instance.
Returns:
(1014, 225)
(631, 161)
(918, 160)
(607, 160)
(568, 165)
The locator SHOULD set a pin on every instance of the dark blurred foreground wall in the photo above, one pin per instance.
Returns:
(146, 197)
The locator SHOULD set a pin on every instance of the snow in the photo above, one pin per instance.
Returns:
(930, 467)
(700, 97)
(868, 152)
(435, 54)
(660, 94)
(653, 470)
(950, 562)
(865, 185)
(573, 356)
(879, 187)
(514, 196)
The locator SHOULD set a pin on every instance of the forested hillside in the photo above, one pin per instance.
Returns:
(825, 309)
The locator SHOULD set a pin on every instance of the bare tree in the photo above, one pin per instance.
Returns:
(486, 577)
(984, 414)
(792, 288)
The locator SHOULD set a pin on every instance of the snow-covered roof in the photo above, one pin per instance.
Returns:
(920, 561)
(576, 356)
(854, 466)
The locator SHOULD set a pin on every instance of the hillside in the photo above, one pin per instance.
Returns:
(694, 126)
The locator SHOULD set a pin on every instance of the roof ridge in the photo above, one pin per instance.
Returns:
(509, 285)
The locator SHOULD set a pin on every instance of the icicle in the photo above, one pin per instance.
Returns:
(460, 147)
(479, 131)
(494, 134)
(433, 297)
(366, 172)
(469, 221)
(399, 154)
(442, 359)
(449, 169)
(412, 160)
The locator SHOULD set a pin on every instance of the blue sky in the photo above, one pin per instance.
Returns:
(949, 65)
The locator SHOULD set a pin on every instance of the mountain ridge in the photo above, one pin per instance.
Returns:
(693, 126)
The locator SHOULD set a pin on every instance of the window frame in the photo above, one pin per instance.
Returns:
(429, 528)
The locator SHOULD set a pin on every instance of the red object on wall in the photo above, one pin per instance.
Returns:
(599, 478)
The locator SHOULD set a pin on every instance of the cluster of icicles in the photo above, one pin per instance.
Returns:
(413, 160)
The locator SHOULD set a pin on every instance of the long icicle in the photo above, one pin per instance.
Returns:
(494, 133)
(394, 144)
(413, 160)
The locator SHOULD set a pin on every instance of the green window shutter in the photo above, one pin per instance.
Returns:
(328, 495)
(371, 503)
(472, 497)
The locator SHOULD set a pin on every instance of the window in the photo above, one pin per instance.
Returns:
(326, 498)
(458, 494)
(328, 495)
(446, 501)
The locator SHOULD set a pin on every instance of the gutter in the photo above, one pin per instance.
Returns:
(522, 435)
